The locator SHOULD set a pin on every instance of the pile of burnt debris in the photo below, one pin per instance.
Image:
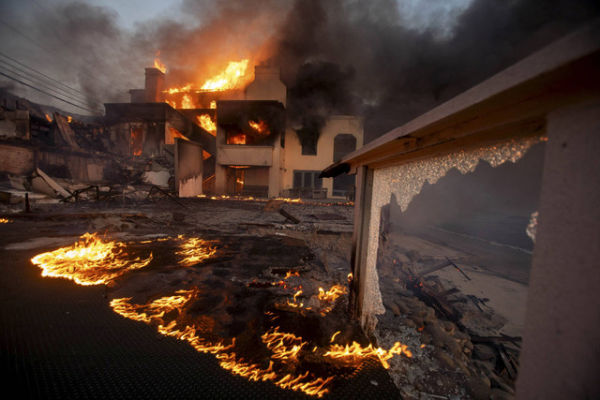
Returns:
(48, 156)
(131, 181)
(465, 352)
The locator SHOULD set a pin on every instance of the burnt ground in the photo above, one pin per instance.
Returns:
(62, 340)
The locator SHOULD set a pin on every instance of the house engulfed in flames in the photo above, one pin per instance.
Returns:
(246, 146)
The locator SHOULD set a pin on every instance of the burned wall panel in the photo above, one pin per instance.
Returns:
(188, 168)
(16, 160)
(79, 167)
(405, 182)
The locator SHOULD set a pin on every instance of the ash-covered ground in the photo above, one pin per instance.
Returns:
(264, 277)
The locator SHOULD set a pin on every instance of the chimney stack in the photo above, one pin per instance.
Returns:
(267, 85)
(155, 84)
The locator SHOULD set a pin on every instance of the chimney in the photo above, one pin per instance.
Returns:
(267, 85)
(266, 72)
(155, 84)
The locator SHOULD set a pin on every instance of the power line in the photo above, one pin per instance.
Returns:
(40, 73)
(46, 93)
(49, 91)
(38, 81)
(35, 42)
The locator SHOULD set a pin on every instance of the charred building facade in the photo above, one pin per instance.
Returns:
(248, 147)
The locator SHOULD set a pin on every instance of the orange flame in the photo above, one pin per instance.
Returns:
(194, 250)
(69, 119)
(206, 122)
(276, 341)
(356, 352)
(4, 221)
(291, 273)
(253, 372)
(156, 310)
(174, 133)
(260, 127)
(184, 89)
(285, 346)
(48, 117)
(334, 335)
(159, 65)
(90, 261)
(230, 78)
(187, 102)
(135, 141)
(289, 200)
(332, 294)
(237, 139)
(213, 104)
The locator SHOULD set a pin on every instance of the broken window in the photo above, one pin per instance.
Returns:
(309, 146)
(451, 241)
(343, 143)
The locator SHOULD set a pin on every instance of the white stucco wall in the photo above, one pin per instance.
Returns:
(294, 160)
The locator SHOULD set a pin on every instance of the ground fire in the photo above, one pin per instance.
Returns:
(93, 261)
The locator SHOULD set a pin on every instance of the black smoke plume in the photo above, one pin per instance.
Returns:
(399, 73)
(336, 56)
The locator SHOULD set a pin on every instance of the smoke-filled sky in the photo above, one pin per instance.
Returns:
(387, 60)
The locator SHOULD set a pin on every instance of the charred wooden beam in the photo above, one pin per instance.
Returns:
(289, 216)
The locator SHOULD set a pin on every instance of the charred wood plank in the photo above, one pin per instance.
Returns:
(165, 193)
(495, 339)
(458, 268)
(289, 216)
(433, 269)
(506, 361)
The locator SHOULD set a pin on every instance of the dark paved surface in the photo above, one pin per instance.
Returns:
(60, 340)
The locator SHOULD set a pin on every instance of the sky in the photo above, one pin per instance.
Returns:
(45, 49)
(387, 60)
(419, 14)
(132, 12)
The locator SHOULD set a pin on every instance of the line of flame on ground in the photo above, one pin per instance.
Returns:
(5, 221)
(327, 300)
(284, 199)
(278, 342)
(253, 372)
(87, 261)
(355, 351)
(90, 261)
(285, 346)
(194, 250)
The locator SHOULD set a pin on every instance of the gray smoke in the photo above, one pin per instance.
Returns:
(336, 56)
(398, 72)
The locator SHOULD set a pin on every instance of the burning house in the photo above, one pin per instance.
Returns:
(236, 238)
(244, 135)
